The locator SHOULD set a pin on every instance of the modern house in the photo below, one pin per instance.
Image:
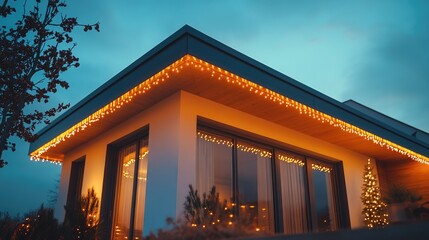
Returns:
(194, 111)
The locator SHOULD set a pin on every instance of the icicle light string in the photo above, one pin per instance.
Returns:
(320, 168)
(229, 143)
(220, 74)
(290, 159)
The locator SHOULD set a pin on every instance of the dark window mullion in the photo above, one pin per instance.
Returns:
(235, 193)
(311, 213)
(341, 206)
(277, 196)
(135, 182)
(75, 185)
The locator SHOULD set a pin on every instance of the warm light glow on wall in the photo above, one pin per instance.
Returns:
(220, 74)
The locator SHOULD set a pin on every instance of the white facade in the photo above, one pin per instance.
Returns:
(172, 125)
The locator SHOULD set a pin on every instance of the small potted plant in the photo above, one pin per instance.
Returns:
(401, 203)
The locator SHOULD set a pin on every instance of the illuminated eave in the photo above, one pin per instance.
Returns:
(229, 79)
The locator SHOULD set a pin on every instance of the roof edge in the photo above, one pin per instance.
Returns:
(312, 98)
(186, 29)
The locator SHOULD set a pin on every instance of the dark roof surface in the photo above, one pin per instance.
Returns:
(187, 40)
(398, 125)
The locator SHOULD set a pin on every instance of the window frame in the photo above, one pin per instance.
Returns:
(108, 203)
(338, 180)
(74, 191)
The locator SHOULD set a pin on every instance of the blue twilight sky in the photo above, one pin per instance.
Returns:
(375, 52)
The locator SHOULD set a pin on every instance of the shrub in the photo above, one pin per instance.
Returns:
(206, 218)
(81, 219)
(38, 225)
(7, 225)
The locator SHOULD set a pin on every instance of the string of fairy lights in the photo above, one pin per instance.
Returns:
(242, 147)
(128, 173)
(320, 168)
(290, 159)
(229, 78)
(214, 139)
(261, 152)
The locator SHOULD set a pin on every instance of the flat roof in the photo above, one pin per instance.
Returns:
(188, 41)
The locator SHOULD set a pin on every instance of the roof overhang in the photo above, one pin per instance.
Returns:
(191, 61)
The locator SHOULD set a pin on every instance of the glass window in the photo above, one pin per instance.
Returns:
(214, 164)
(242, 172)
(130, 191)
(255, 188)
(75, 184)
(324, 216)
(293, 192)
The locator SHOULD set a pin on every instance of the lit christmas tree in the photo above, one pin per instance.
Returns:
(374, 210)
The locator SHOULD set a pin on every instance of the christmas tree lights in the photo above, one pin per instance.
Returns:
(374, 209)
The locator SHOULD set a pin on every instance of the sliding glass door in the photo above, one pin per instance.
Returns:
(130, 194)
(214, 165)
(308, 192)
(323, 199)
(242, 174)
(293, 192)
(255, 189)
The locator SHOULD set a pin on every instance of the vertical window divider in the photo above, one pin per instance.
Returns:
(337, 188)
(340, 190)
(277, 198)
(135, 182)
(235, 193)
(309, 195)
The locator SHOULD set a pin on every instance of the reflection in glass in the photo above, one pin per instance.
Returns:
(124, 191)
(292, 179)
(324, 199)
(214, 164)
(141, 190)
(255, 186)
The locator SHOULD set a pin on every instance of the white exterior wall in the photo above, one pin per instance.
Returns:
(353, 162)
(172, 154)
(163, 120)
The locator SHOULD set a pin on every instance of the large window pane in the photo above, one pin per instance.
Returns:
(75, 186)
(214, 164)
(255, 197)
(293, 192)
(242, 171)
(130, 196)
(324, 198)
(124, 191)
(141, 190)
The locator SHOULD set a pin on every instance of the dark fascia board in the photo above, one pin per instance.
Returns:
(406, 125)
(218, 54)
(164, 54)
(187, 40)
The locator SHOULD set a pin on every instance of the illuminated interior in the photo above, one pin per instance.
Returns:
(230, 79)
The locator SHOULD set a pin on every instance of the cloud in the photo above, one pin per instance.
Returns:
(393, 77)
